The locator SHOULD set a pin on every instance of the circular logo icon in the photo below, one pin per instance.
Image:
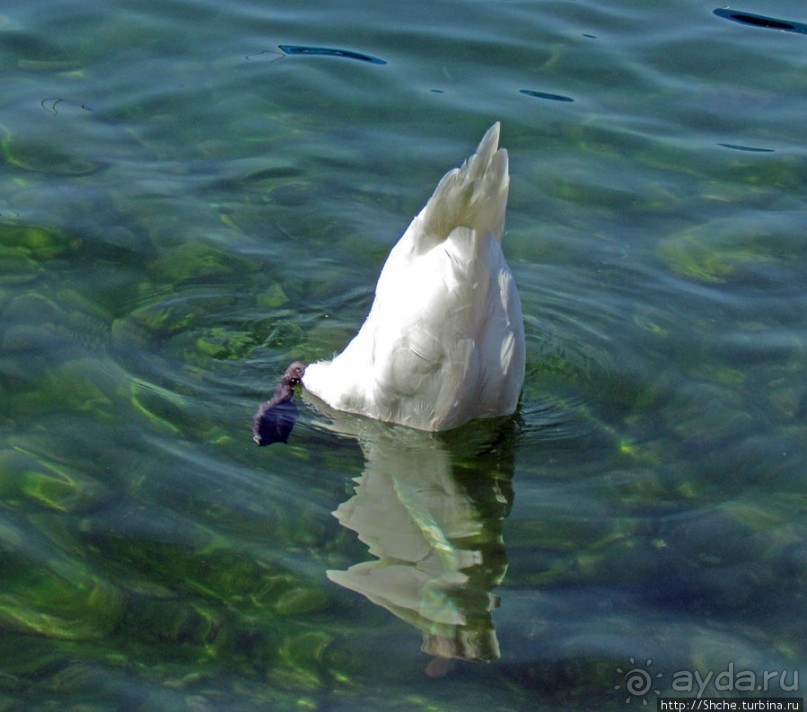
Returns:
(637, 681)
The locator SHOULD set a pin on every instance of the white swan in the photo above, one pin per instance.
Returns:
(444, 340)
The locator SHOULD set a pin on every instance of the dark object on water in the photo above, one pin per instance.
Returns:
(275, 418)
(750, 149)
(771, 23)
(545, 95)
(328, 52)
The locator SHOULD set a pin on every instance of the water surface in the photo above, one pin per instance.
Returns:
(194, 195)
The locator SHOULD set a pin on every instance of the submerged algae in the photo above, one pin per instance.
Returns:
(732, 250)
(36, 242)
(26, 478)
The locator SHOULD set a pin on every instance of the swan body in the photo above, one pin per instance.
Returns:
(444, 340)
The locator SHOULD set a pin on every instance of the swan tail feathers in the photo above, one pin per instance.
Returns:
(473, 196)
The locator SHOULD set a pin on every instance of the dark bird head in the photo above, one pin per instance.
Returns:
(294, 374)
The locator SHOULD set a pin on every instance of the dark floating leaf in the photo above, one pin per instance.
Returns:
(545, 95)
(771, 23)
(328, 52)
(750, 149)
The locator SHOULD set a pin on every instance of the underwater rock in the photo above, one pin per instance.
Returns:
(34, 241)
(703, 412)
(196, 259)
(40, 158)
(80, 385)
(222, 344)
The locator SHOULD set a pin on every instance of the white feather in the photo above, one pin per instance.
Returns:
(444, 340)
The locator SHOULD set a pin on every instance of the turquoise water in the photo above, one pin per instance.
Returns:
(185, 208)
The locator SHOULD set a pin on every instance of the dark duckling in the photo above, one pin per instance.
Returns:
(275, 418)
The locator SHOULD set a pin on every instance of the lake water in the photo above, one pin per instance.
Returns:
(185, 208)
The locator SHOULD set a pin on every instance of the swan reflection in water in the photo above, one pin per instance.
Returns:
(431, 507)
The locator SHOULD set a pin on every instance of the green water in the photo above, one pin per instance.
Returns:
(185, 209)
